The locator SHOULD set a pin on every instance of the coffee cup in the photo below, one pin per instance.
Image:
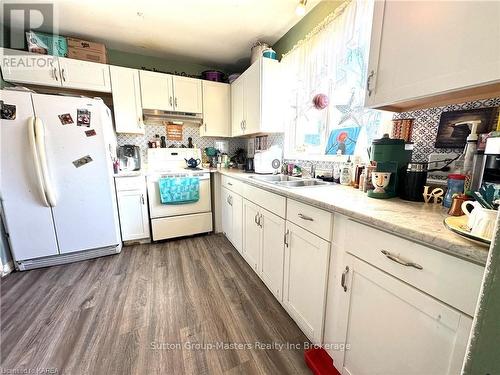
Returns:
(471, 209)
(484, 222)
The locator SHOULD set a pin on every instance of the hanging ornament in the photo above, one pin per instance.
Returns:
(321, 101)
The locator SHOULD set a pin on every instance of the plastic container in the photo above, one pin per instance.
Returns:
(212, 75)
(456, 184)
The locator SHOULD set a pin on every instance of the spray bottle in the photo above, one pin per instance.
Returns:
(469, 151)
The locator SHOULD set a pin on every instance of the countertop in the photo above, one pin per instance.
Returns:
(419, 222)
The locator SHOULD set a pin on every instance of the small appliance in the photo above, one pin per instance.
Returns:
(268, 161)
(490, 171)
(414, 182)
(392, 156)
(249, 165)
(129, 157)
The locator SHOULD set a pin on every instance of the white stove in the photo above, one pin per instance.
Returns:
(177, 220)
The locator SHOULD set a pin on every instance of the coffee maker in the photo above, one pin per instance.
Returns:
(392, 156)
(490, 171)
(129, 157)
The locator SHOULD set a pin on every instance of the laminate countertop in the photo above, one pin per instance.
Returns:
(419, 222)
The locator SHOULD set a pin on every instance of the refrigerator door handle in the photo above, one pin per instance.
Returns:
(42, 156)
(36, 161)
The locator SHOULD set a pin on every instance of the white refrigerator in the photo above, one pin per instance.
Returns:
(56, 188)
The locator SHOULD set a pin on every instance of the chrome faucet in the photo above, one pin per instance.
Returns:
(313, 170)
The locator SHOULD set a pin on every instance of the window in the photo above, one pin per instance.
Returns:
(326, 74)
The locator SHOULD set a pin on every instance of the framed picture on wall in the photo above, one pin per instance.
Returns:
(453, 134)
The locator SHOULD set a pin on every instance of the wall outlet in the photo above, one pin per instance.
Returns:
(439, 160)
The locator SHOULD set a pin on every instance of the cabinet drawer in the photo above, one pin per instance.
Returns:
(447, 278)
(272, 202)
(130, 183)
(232, 184)
(311, 218)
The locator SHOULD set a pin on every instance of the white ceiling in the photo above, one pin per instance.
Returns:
(210, 32)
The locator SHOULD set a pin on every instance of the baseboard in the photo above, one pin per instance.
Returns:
(7, 268)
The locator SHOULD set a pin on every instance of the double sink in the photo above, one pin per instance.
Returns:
(289, 181)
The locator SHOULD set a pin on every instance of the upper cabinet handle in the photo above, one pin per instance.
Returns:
(54, 71)
(175, 102)
(305, 217)
(171, 102)
(405, 263)
(368, 82)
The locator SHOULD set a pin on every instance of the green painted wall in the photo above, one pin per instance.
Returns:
(300, 30)
(133, 60)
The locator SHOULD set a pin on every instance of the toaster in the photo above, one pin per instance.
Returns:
(268, 161)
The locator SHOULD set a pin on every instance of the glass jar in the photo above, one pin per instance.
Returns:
(456, 184)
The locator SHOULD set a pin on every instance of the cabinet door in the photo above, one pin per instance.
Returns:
(305, 276)
(187, 94)
(237, 206)
(251, 234)
(216, 110)
(156, 91)
(227, 213)
(461, 57)
(252, 108)
(272, 252)
(126, 100)
(44, 70)
(412, 332)
(84, 75)
(134, 221)
(237, 105)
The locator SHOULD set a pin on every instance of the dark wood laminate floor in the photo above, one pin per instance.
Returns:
(130, 313)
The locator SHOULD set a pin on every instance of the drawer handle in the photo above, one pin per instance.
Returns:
(305, 217)
(230, 184)
(396, 259)
(342, 280)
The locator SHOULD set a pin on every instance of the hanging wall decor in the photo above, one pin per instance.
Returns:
(321, 101)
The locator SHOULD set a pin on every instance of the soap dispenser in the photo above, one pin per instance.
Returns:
(469, 151)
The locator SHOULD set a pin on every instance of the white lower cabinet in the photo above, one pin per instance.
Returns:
(132, 207)
(263, 245)
(392, 328)
(252, 239)
(232, 217)
(305, 278)
(272, 255)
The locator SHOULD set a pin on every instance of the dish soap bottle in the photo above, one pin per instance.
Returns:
(469, 152)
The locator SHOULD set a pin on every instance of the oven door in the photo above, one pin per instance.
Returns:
(157, 209)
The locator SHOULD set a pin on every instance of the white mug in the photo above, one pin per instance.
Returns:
(485, 222)
(471, 212)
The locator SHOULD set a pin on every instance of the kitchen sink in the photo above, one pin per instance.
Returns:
(302, 183)
(275, 178)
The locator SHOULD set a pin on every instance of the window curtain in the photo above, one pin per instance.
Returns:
(326, 77)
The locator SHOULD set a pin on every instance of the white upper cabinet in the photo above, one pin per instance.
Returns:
(237, 106)
(84, 75)
(216, 109)
(156, 91)
(127, 100)
(187, 94)
(43, 71)
(421, 55)
(256, 101)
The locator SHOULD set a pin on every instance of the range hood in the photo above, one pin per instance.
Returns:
(157, 116)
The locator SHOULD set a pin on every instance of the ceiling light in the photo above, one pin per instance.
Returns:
(301, 8)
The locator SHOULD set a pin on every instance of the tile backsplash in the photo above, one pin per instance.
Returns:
(426, 122)
(188, 131)
(425, 127)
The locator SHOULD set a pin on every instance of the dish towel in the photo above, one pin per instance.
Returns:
(179, 190)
